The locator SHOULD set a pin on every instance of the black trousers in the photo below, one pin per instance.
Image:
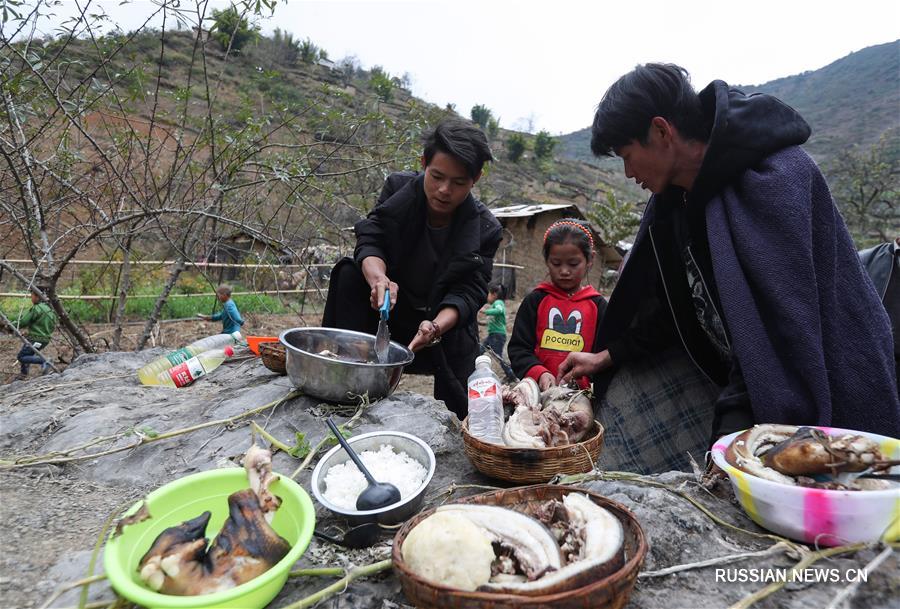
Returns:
(28, 355)
(450, 362)
(495, 343)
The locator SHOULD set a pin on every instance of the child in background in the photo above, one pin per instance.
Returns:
(496, 337)
(559, 316)
(40, 321)
(229, 315)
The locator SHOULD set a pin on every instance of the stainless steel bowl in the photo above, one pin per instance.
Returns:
(354, 373)
(392, 514)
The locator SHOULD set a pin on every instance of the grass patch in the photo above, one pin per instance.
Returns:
(97, 311)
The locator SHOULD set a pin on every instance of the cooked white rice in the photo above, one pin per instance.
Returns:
(344, 482)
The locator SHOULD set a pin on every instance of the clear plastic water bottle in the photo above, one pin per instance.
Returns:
(149, 374)
(485, 402)
(187, 372)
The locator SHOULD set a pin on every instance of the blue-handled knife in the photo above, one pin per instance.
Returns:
(383, 335)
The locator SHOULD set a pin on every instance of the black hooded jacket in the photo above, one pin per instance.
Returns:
(392, 231)
(651, 307)
(743, 130)
(393, 228)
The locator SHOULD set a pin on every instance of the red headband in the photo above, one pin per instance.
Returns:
(570, 223)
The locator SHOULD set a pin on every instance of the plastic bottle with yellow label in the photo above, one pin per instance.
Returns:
(187, 372)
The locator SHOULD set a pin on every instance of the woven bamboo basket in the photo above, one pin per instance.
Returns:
(273, 357)
(610, 592)
(533, 465)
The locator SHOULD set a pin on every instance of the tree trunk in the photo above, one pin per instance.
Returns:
(124, 284)
(160, 303)
(81, 340)
(190, 243)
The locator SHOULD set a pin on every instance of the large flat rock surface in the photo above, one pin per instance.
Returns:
(53, 514)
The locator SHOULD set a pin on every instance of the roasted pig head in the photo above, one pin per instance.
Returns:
(176, 558)
(247, 545)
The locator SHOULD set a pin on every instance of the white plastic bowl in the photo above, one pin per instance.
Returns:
(818, 516)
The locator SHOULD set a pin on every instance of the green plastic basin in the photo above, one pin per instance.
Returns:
(187, 498)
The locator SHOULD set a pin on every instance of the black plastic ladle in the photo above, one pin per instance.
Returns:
(360, 536)
(377, 494)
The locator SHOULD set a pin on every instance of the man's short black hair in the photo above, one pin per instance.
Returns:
(496, 288)
(460, 139)
(629, 105)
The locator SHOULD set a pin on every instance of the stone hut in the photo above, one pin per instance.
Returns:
(523, 240)
(242, 247)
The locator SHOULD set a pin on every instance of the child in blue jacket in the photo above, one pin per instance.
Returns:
(229, 315)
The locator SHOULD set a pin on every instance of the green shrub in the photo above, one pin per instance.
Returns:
(615, 220)
(381, 83)
(230, 28)
(493, 127)
(285, 48)
(544, 144)
(309, 52)
(481, 115)
(515, 147)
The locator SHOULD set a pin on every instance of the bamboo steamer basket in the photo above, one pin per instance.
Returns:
(533, 465)
(273, 356)
(610, 592)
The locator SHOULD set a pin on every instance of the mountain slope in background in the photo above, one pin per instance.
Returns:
(850, 101)
(267, 94)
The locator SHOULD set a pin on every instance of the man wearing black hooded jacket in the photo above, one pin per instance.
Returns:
(751, 266)
(431, 244)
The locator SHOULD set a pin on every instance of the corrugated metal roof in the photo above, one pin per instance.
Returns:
(525, 211)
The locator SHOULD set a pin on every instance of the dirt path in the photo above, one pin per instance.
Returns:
(38, 536)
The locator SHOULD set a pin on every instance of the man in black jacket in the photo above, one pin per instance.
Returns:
(432, 244)
(752, 267)
(882, 263)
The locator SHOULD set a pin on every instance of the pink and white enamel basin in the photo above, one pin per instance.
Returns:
(818, 516)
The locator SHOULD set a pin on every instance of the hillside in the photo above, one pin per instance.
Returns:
(356, 124)
(149, 146)
(850, 101)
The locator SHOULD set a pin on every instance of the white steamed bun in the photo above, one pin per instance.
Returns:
(449, 549)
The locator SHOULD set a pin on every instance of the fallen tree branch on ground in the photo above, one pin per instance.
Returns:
(719, 560)
(341, 584)
(60, 457)
(806, 561)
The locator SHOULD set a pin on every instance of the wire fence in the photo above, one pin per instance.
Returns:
(94, 293)
(193, 295)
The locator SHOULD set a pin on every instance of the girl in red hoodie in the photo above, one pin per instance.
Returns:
(559, 316)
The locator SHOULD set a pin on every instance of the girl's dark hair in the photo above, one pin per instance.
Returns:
(629, 105)
(497, 289)
(460, 139)
(569, 229)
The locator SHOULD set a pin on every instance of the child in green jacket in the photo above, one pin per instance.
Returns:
(496, 338)
(40, 321)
